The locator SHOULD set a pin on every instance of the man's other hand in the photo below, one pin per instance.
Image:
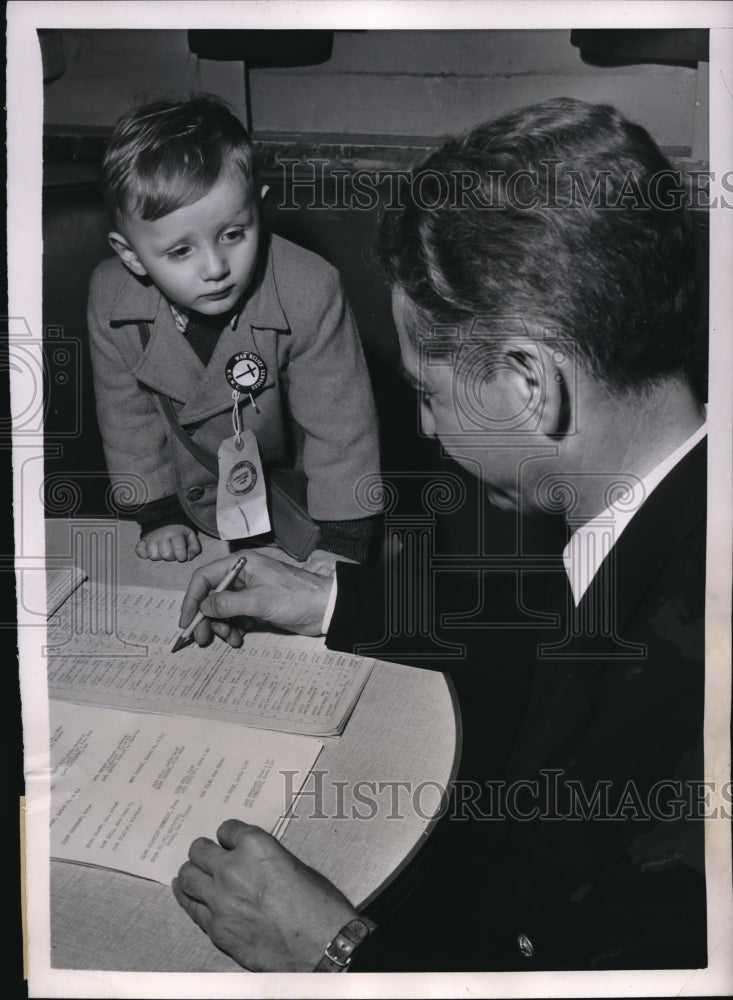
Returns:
(257, 902)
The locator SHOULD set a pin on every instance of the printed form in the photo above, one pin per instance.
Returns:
(131, 791)
(112, 646)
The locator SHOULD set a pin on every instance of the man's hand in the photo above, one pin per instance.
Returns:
(266, 590)
(323, 562)
(257, 902)
(174, 542)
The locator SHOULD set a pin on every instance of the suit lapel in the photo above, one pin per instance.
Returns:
(560, 703)
(673, 510)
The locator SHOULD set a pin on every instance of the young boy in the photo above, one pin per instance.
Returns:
(204, 324)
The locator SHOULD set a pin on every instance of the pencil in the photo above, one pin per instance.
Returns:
(186, 635)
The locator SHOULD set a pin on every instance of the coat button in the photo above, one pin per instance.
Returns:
(195, 493)
(525, 946)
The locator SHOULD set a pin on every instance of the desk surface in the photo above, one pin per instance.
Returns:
(402, 733)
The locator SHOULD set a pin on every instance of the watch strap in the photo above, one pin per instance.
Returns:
(340, 949)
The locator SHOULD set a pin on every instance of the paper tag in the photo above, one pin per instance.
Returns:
(241, 498)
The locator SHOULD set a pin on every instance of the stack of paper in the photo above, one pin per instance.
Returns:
(113, 647)
(151, 749)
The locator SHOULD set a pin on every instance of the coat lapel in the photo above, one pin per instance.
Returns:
(171, 367)
(168, 365)
(212, 394)
(261, 317)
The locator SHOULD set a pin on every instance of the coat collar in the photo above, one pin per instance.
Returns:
(170, 366)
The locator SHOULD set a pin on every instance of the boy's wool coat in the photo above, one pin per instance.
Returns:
(315, 410)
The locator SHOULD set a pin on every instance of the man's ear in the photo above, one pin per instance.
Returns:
(540, 387)
(126, 254)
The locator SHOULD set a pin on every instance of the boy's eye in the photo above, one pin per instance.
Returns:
(178, 253)
(232, 235)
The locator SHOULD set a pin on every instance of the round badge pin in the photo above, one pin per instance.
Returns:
(246, 372)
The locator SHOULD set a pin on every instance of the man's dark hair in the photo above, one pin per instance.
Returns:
(167, 154)
(565, 216)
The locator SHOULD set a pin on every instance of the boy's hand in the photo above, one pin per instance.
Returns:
(173, 542)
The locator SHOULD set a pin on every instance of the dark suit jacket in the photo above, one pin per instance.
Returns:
(593, 734)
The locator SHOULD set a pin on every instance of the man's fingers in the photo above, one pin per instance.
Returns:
(184, 891)
(202, 854)
(231, 832)
(193, 908)
(227, 632)
(141, 549)
(202, 633)
(222, 629)
(230, 604)
(202, 583)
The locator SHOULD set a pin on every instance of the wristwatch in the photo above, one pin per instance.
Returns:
(340, 949)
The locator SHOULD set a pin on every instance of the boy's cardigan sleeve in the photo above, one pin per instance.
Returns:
(132, 430)
(329, 395)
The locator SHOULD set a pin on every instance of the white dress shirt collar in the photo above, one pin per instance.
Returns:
(591, 543)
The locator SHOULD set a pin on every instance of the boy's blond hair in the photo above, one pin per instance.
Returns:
(167, 154)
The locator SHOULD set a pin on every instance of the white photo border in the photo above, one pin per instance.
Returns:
(25, 102)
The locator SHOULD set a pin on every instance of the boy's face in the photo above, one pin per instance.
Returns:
(201, 256)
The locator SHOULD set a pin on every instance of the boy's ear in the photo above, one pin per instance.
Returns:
(126, 254)
(263, 191)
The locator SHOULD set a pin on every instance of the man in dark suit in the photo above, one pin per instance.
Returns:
(544, 298)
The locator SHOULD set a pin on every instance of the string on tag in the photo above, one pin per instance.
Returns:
(236, 421)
